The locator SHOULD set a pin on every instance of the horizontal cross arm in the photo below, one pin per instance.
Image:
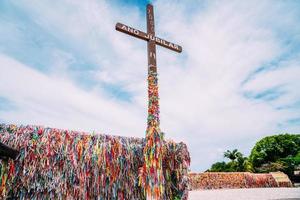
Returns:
(144, 36)
(169, 45)
(132, 31)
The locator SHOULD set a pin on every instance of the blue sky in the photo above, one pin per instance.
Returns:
(63, 65)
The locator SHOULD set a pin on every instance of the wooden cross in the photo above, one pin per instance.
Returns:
(150, 38)
(151, 173)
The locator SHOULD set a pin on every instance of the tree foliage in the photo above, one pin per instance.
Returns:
(272, 148)
(276, 153)
(237, 163)
(232, 155)
(272, 153)
(219, 167)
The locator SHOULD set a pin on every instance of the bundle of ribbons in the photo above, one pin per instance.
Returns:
(62, 164)
(151, 175)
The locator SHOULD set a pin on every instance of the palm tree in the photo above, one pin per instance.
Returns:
(238, 163)
(233, 155)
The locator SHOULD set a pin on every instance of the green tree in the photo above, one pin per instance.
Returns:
(237, 163)
(232, 155)
(276, 153)
(243, 164)
(219, 167)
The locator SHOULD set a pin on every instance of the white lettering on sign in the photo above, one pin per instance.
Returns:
(149, 37)
(173, 46)
(161, 41)
(131, 30)
(152, 37)
(136, 32)
(124, 27)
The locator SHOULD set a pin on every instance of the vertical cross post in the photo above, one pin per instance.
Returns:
(153, 103)
(151, 42)
(153, 171)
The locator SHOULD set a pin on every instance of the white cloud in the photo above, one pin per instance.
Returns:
(203, 102)
(201, 90)
(56, 102)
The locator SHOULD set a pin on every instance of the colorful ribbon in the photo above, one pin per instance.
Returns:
(61, 164)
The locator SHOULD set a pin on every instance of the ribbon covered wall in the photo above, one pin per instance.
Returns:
(61, 164)
(218, 180)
